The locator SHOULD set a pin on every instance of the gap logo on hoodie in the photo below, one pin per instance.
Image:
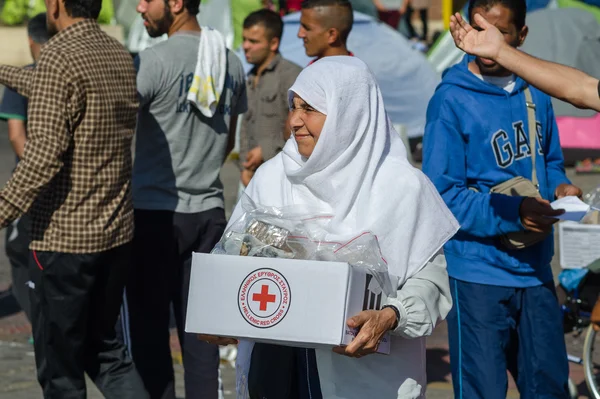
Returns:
(504, 151)
(477, 136)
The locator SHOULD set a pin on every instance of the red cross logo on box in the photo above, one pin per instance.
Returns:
(264, 298)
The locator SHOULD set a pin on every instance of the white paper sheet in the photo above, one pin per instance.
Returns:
(575, 209)
(578, 244)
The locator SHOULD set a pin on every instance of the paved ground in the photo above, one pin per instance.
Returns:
(17, 370)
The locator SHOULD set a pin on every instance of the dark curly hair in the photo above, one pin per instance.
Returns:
(517, 7)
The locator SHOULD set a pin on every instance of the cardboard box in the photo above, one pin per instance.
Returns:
(578, 244)
(282, 301)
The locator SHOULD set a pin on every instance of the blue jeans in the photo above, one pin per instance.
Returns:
(492, 329)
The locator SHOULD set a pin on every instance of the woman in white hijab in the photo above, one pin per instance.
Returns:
(345, 158)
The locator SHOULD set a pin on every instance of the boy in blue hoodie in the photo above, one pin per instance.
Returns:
(505, 314)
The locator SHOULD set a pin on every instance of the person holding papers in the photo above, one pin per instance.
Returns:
(492, 149)
(345, 158)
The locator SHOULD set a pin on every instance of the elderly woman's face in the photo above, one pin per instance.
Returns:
(306, 123)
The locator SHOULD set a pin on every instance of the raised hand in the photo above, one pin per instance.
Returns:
(485, 43)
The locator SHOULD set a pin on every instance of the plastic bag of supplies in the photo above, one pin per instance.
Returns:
(295, 232)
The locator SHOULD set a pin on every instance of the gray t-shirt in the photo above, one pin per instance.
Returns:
(179, 152)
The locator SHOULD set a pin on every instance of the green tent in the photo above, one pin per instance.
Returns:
(240, 9)
(15, 12)
(595, 11)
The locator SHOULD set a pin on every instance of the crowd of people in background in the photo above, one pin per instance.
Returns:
(399, 14)
(100, 239)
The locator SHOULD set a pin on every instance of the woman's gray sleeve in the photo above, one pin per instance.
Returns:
(423, 300)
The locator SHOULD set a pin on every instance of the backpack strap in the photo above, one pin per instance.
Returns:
(532, 133)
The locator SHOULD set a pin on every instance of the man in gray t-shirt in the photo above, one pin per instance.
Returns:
(177, 195)
(179, 152)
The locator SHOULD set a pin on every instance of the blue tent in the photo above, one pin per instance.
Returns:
(406, 78)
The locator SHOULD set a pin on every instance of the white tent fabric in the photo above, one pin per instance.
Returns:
(213, 13)
(406, 79)
(444, 54)
(574, 35)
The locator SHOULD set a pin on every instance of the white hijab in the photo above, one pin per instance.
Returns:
(359, 172)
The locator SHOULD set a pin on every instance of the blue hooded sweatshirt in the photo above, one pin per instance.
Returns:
(477, 136)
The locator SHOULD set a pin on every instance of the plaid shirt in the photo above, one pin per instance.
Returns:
(75, 178)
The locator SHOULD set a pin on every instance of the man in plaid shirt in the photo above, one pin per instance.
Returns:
(75, 182)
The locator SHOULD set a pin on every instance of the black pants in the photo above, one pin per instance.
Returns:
(283, 372)
(17, 251)
(411, 30)
(75, 304)
(163, 246)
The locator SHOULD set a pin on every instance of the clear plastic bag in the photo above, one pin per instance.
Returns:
(364, 252)
(592, 198)
(301, 233)
(289, 232)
